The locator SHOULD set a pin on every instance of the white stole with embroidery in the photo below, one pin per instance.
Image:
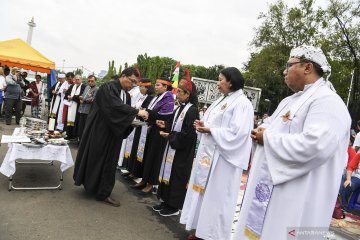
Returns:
(130, 139)
(144, 130)
(169, 154)
(55, 104)
(264, 187)
(206, 153)
(73, 106)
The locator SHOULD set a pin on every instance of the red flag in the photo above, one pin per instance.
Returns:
(188, 79)
(187, 74)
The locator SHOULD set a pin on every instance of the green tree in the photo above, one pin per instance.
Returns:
(79, 71)
(283, 28)
(344, 48)
(290, 27)
(111, 71)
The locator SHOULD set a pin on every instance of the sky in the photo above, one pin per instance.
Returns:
(89, 33)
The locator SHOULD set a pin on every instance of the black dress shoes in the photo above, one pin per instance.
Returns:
(111, 202)
(139, 187)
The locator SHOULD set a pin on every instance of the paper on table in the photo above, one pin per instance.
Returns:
(14, 139)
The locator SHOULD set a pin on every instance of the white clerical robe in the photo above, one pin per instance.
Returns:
(64, 87)
(135, 95)
(305, 164)
(211, 213)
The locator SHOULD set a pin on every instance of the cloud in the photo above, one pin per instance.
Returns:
(90, 33)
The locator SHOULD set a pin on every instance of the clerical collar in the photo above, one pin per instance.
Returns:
(307, 86)
(230, 93)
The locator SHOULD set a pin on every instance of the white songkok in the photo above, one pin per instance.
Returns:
(61, 75)
(313, 54)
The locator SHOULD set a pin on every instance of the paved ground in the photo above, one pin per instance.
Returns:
(72, 214)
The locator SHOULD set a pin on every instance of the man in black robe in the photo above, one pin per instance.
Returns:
(108, 123)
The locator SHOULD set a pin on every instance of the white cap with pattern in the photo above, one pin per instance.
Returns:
(313, 54)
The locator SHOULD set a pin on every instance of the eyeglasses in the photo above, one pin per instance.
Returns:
(132, 80)
(290, 64)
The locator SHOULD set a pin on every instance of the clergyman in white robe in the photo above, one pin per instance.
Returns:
(305, 151)
(211, 211)
(64, 87)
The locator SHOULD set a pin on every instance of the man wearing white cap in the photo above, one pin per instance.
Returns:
(300, 156)
(55, 101)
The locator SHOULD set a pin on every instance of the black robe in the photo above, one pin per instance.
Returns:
(184, 142)
(108, 123)
(133, 166)
(71, 131)
(154, 147)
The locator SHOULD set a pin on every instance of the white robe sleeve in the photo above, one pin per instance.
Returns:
(292, 155)
(233, 137)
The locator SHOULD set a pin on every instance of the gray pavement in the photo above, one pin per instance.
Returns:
(72, 214)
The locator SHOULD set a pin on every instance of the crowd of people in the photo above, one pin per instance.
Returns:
(298, 149)
(197, 158)
(14, 89)
(70, 104)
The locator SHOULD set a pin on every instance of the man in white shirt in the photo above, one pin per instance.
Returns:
(301, 148)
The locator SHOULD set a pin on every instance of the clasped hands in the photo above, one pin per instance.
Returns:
(257, 135)
(143, 114)
(161, 124)
(200, 127)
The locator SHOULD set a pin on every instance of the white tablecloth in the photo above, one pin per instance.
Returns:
(46, 153)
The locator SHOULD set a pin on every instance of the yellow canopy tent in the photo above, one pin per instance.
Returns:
(17, 53)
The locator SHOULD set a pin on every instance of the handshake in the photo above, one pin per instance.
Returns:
(143, 114)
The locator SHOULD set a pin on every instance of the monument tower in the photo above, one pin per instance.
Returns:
(31, 24)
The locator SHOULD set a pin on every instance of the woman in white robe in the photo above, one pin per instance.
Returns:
(298, 163)
(223, 153)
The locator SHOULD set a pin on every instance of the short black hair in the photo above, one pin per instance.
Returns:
(358, 123)
(70, 74)
(234, 76)
(6, 71)
(130, 71)
(92, 76)
(193, 98)
(318, 70)
(37, 75)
